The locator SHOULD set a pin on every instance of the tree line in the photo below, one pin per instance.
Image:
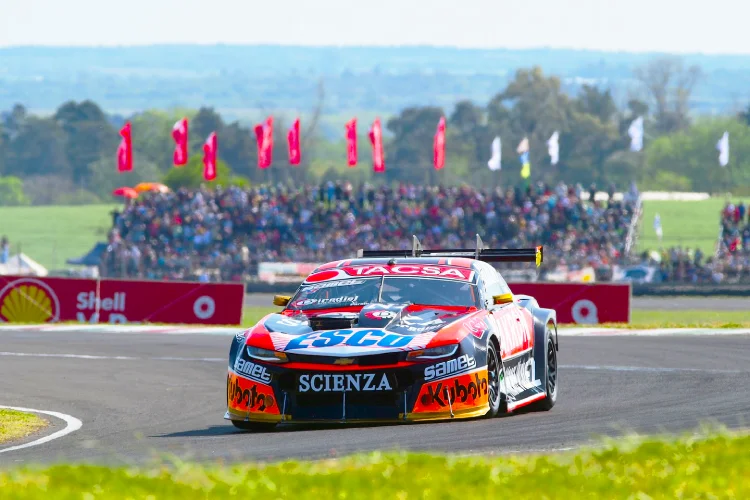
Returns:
(69, 157)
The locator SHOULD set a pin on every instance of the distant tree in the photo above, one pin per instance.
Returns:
(191, 175)
(11, 192)
(89, 135)
(38, 149)
(409, 154)
(593, 101)
(669, 85)
(207, 120)
(744, 116)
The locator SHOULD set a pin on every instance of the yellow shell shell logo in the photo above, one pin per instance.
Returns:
(28, 301)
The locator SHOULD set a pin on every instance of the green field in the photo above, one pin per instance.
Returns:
(52, 234)
(688, 224)
(691, 467)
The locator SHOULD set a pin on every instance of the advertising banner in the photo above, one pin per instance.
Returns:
(48, 300)
(581, 303)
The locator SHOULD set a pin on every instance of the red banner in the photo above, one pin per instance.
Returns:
(581, 303)
(210, 152)
(180, 136)
(125, 150)
(376, 138)
(439, 145)
(48, 300)
(293, 141)
(351, 142)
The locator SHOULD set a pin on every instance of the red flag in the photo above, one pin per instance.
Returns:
(295, 155)
(264, 137)
(351, 142)
(180, 135)
(210, 152)
(376, 138)
(125, 150)
(439, 145)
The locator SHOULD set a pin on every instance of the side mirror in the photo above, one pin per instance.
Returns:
(281, 300)
(503, 299)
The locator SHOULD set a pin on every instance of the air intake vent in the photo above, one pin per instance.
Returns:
(331, 323)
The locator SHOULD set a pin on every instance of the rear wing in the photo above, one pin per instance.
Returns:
(479, 253)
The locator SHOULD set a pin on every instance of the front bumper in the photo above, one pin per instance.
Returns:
(407, 398)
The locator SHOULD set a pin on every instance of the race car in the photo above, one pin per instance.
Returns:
(397, 336)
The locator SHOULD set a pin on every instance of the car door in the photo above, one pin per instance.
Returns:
(506, 317)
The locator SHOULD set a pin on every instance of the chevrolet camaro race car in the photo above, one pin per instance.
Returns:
(397, 336)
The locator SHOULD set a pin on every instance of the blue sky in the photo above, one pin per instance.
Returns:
(718, 26)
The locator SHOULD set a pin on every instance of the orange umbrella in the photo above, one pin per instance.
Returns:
(126, 192)
(151, 186)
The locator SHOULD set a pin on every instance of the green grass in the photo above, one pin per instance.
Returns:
(690, 467)
(689, 224)
(52, 234)
(16, 424)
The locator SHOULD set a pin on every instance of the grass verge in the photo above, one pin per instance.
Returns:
(52, 234)
(689, 224)
(15, 424)
(691, 467)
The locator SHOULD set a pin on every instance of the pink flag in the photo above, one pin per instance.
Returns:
(264, 137)
(210, 152)
(125, 150)
(180, 136)
(439, 145)
(376, 138)
(351, 142)
(295, 155)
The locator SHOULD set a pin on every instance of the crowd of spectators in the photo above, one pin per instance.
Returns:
(224, 233)
(730, 263)
(733, 254)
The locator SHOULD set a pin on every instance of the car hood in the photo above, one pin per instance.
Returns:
(375, 328)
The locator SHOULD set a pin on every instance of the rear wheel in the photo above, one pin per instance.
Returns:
(253, 426)
(494, 375)
(550, 374)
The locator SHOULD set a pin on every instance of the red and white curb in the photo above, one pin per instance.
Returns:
(564, 331)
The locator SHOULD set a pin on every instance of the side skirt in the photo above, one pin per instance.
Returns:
(521, 382)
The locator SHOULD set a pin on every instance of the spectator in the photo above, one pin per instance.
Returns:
(4, 250)
(223, 234)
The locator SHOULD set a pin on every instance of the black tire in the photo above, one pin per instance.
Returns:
(253, 426)
(495, 396)
(550, 373)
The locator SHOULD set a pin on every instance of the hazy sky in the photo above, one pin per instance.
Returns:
(716, 26)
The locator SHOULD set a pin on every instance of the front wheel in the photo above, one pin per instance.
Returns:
(494, 376)
(253, 426)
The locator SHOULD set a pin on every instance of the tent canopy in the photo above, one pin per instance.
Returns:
(93, 258)
(23, 265)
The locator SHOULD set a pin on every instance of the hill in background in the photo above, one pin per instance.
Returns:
(246, 82)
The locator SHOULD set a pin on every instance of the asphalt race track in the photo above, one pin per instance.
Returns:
(140, 395)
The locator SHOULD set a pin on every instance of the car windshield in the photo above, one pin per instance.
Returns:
(388, 290)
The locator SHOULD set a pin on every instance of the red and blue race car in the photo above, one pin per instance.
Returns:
(397, 336)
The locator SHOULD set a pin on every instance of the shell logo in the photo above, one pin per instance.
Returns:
(28, 300)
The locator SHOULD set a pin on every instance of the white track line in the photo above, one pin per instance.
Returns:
(648, 369)
(72, 424)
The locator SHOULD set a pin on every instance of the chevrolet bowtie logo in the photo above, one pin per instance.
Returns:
(344, 361)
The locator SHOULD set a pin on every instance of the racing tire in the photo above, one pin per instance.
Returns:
(495, 397)
(253, 426)
(550, 373)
